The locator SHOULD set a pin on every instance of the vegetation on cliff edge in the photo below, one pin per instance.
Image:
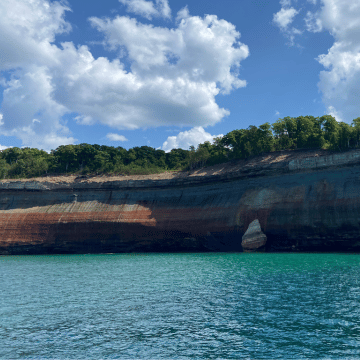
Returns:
(303, 132)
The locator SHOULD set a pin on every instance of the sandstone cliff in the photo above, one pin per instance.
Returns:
(304, 201)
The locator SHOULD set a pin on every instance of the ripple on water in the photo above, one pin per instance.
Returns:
(202, 306)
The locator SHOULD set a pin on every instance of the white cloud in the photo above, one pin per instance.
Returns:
(164, 7)
(116, 137)
(185, 139)
(28, 29)
(332, 111)
(174, 79)
(284, 3)
(183, 13)
(199, 52)
(312, 22)
(3, 147)
(148, 9)
(284, 17)
(340, 82)
(28, 99)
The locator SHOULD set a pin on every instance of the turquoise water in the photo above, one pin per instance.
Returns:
(180, 306)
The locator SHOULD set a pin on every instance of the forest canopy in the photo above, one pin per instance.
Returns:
(302, 132)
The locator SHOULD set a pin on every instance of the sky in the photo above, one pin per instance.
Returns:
(171, 73)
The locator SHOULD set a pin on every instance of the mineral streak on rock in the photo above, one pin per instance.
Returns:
(310, 204)
(254, 239)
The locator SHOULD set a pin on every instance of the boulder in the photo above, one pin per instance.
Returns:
(254, 239)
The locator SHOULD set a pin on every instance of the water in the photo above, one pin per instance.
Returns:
(180, 306)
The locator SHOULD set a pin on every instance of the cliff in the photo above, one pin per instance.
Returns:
(304, 201)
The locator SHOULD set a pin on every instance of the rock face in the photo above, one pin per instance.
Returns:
(254, 239)
(307, 205)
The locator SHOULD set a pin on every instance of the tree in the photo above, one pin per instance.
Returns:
(177, 159)
(198, 157)
(356, 131)
(218, 152)
(102, 162)
(4, 169)
(315, 137)
(65, 158)
(85, 156)
(234, 141)
(304, 129)
(265, 138)
(11, 155)
(285, 133)
(331, 131)
(345, 134)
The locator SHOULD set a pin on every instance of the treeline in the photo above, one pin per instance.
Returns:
(303, 132)
(89, 159)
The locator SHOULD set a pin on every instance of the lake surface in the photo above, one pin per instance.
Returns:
(180, 306)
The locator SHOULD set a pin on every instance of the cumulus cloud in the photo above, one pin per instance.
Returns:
(284, 17)
(148, 9)
(116, 137)
(200, 52)
(340, 82)
(185, 139)
(29, 111)
(176, 73)
(28, 29)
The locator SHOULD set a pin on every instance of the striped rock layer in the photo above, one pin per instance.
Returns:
(312, 205)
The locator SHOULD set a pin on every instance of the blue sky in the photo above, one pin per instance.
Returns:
(171, 73)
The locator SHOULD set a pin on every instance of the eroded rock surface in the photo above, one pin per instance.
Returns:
(254, 239)
(308, 205)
